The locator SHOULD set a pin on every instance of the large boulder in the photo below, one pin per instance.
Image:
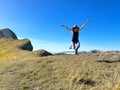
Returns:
(26, 45)
(95, 51)
(7, 33)
(41, 53)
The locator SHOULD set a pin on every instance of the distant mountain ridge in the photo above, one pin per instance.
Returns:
(85, 52)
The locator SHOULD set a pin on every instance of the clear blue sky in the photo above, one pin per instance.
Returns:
(40, 20)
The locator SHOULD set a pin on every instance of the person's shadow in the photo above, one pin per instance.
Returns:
(108, 61)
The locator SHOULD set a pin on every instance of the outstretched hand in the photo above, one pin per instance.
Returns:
(62, 25)
(65, 27)
(87, 20)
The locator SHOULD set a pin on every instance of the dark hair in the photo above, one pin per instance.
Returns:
(75, 26)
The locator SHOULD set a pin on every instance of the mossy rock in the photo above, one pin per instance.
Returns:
(41, 53)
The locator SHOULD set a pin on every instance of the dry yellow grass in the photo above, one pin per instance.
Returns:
(10, 49)
(66, 72)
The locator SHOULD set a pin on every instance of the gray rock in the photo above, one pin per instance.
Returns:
(7, 33)
(26, 45)
(95, 51)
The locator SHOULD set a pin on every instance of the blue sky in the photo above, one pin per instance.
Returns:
(40, 20)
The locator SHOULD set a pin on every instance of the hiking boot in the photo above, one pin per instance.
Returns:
(76, 51)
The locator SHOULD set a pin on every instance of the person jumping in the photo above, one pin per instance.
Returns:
(75, 30)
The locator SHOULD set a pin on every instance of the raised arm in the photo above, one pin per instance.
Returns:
(66, 27)
(83, 25)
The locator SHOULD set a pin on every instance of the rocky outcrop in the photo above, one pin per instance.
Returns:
(26, 45)
(11, 44)
(95, 51)
(41, 53)
(7, 33)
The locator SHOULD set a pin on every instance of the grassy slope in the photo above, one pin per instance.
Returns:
(9, 49)
(20, 70)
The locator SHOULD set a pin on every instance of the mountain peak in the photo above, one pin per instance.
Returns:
(7, 33)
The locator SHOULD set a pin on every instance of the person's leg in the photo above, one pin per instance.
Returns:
(72, 45)
(76, 51)
(78, 45)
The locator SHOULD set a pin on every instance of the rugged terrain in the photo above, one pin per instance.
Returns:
(24, 69)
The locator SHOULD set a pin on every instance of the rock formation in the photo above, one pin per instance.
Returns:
(41, 53)
(26, 45)
(7, 33)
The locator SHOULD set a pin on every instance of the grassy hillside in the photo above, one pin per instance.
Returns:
(22, 70)
(10, 49)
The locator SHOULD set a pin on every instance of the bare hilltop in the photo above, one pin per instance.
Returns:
(21, 68)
